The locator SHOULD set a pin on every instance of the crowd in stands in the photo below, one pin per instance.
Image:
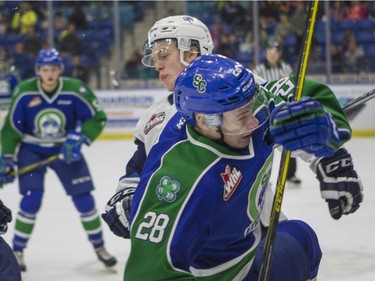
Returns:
(83, 33)
(231, 26)
(284, 22)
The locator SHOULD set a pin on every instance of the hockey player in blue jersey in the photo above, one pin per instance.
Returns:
(197, 210)
(52, 115)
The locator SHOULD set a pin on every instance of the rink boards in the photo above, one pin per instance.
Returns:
(124, 108)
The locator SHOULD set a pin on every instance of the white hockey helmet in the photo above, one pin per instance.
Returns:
(184, 29)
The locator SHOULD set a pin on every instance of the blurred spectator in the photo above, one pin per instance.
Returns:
(338, 11)
(357, 10)
(67, 62)
(59, 22)
(132, 65)
(336, 58)
(69, 41)
(4, 52)
(3, 23)
(269, 10)
(354, 58)
(297, 22)
(23, 18)
(23, 63)
(78, 70)
(346, 39)
(228, 46)
(233, 14)
(78, 17)
(216, 31)
(284, 27)
(371, 10)
(32, 42)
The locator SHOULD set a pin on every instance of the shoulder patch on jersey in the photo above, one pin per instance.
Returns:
(155, 120)
(167, 189)
(231, 178)
(35, 101)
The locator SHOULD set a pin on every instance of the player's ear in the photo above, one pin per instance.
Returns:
(200, 120)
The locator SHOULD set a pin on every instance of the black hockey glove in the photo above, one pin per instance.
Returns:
(339, 184)
(5, 218)
(117, 213)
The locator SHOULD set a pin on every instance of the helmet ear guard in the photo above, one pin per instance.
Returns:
(213, 121)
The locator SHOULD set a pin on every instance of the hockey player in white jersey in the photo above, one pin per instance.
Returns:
(175, 41)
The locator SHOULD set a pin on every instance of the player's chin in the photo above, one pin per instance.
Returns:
(239, 141)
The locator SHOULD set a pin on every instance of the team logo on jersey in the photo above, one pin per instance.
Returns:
(155, 120)
(49, 124)
(231, 178)
(35, 101)
(167, 189)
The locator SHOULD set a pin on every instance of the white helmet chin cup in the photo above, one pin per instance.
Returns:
(184, 29)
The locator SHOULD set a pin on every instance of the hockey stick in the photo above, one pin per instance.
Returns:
(358, 101)
(285, 155)
(35, 165)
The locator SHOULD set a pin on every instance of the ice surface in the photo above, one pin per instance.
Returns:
(59, 251)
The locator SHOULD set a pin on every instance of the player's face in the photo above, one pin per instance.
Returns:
(49, 75)
(238, 125)
(166, 58)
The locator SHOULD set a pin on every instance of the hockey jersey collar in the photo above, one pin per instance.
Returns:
(218, 149)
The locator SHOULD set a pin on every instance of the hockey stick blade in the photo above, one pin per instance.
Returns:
(358, 101)
(353, 107)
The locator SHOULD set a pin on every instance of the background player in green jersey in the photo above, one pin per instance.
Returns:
(52, 115)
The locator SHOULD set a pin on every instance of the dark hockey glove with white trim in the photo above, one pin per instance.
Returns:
(117, 213)
(339, 184)
(117, 217)
(5, 218)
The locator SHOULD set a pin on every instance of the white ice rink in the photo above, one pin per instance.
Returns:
(59, 250)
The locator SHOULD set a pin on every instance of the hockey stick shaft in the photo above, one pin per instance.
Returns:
(359, 101)
(285, 156)
(35, 165)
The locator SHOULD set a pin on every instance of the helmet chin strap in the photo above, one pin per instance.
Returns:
(182, 58)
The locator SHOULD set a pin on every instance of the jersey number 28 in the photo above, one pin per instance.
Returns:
(153, 227)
